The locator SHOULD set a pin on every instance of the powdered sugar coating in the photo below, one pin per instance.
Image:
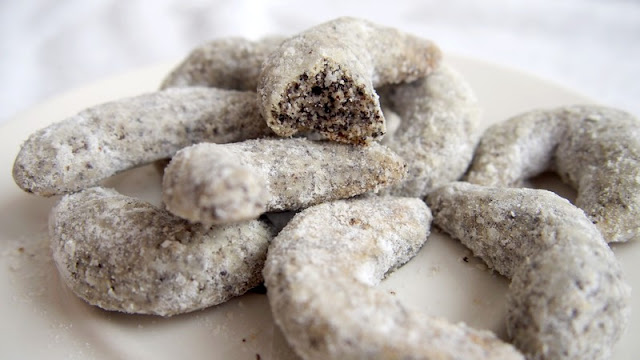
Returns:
(320, 273)
(505, 226)
(123, 254)
(568, 298)
(568, 302)
(215, 183)
(438, 132)
(102, 140)
(594, 149)
(227, 63)
(323, 79)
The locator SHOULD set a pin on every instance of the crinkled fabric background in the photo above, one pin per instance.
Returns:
(50, 46)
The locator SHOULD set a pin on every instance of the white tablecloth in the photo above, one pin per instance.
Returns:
(51, 46)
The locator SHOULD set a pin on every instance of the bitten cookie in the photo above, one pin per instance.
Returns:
(323, 79)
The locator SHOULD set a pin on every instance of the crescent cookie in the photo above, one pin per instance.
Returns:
(102, 140)
(568, 298)
(221, 183)
(594, 149)
(438, 132)
(320, 275)
(228, 63)
(323, 79)
(124, 254)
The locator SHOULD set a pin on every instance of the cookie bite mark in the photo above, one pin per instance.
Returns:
(329, 100)
(323, 79)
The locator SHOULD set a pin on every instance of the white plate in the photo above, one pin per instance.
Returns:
(42, 319)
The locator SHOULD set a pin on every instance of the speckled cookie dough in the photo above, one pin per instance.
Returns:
(438, 132)
(320, 274)
(568, 302)
(228, 63)
(567, 299)
(105, 139)
(505, 226)
(323, 79)
(594, 149)
(123, 254)
(214, 183)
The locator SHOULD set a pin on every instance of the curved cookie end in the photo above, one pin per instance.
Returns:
(30, 173)
(218, 191)
(23, 178)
